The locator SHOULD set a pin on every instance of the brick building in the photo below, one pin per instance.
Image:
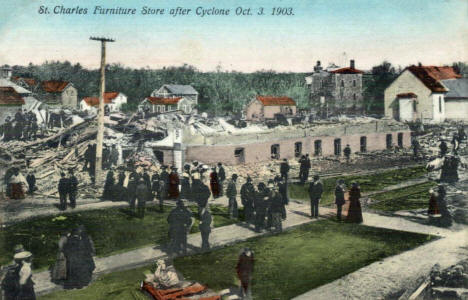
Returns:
(288, 142)
(335, 91)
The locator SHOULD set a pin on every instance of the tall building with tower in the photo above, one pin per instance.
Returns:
(335, 90)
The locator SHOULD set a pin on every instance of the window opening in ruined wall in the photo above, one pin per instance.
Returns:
(400, 139)
(389, 141)
(275, 151)
(363, 144)
(318, 147)
(337, 146)
(298, 149)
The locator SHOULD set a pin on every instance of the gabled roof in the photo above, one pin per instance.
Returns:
(347, 70)
(163, 101)
(275, 101)
(407, 95)
(7, 83)
(8, 96)
(180, 89)
(431, 76)
(108, 97)
(31, 82)
(458, 88)
(54, 86)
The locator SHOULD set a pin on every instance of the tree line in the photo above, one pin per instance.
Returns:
(220, 91)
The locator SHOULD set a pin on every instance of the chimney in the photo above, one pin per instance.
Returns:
(5, 72)
(351, 64)
(318, 66)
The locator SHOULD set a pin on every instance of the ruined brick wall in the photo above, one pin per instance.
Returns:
(261, 150)
(342, 92)
(347, 93)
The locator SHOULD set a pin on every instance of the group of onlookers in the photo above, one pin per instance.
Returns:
(23, 126)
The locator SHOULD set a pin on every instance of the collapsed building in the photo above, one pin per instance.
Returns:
(257, 143)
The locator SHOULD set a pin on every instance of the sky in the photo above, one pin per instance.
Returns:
(433, 32)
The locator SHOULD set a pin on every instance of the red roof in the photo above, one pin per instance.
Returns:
(29, 81)
(275, 101)
(163, 101)
(430, 76)
(407, 95)
(8, 96)
(54, 86)
(347, 70)
(108, 97)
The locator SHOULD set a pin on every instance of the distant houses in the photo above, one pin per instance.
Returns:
(10, 102)
(430, 94)
(113, 102)
(58, 93)
(163, 105)
(170, 97)
(266, 107)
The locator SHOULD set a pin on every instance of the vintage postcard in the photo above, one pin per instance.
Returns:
(218, 149)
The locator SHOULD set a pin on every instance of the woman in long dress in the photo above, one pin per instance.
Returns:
(355, 211)
(59, 271)
(214, 183)
(433, 207)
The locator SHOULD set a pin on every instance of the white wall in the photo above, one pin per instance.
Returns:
(406, 109)
(438, 107)
(456, 110)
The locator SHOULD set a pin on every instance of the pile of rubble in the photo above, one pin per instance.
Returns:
(430, 137)
(451, 283)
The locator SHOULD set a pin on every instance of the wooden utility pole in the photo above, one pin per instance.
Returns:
(100, 133)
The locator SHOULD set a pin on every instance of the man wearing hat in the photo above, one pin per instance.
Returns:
(72, 188)
(347, 153)
(63, 191)
(315, 194)
(221, 178)
(276, 207)
(164, 179)
(247, 198)
(284, 169)
(231, 193)
(17, 283)
(340, 190)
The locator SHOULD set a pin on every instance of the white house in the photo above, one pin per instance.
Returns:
(456, 99)
(418, 93)
(113, 102)
(176, 91)
(162, 105)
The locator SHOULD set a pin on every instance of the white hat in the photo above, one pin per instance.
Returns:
(22, 255)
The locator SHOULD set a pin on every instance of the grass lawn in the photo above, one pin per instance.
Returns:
(292, 263)
(112, 230)
(403, 199)
(368, 183)
(287, 264)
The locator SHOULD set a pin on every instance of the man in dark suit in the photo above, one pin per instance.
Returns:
(72, 188)
(63, 188)
(315, 194)
(284, 169)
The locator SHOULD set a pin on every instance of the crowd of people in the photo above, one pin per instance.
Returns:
(23, 126)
